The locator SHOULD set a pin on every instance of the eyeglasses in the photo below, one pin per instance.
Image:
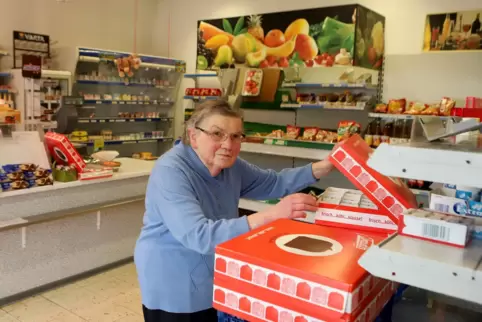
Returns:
(220, 136)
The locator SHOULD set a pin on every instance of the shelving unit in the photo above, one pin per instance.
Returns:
(38, 99)
(442, 269)
(141, 106)
(286, 151)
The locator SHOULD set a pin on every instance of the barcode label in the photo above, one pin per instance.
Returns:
(435, 231)
(442, 207)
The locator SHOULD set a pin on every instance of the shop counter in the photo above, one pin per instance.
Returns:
(55, 233)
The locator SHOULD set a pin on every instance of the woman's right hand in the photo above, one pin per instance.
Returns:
(291, 207)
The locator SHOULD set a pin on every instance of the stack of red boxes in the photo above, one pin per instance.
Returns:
(290, 271)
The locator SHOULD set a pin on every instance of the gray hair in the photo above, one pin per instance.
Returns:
(207, 109)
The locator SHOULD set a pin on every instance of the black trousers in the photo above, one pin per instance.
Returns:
(210, 315)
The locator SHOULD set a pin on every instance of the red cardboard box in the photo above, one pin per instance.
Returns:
(62, 150)
(347, 208)
(391, 195)
(255, 310)
(305, 268)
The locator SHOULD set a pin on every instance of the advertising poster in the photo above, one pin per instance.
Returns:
(453, 31)
(340, 35)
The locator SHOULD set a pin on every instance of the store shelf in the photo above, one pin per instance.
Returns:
(112, 102)
(95, 82)
(5, 74)
(201, 98)
(459, 164)
(119, 142)
(199, 75)
(49, 102)
(123, 120)
(442, 269)
(287, 151)
(329, 85)
(358, 107)
(3, 53)
(408, 116)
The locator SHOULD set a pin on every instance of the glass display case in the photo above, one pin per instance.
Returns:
(128, 101)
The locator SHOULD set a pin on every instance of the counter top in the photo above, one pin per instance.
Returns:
(130, 168)
(129, 184)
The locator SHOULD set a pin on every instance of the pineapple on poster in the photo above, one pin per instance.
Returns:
(339, 35)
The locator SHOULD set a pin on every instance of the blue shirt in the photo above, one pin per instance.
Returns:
(188, 213)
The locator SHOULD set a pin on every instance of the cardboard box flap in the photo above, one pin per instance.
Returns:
(392, 196)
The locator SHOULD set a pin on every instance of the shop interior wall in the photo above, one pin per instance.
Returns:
(408, 72)
(106, 24)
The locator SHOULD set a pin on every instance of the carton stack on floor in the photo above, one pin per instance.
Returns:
(300, 272)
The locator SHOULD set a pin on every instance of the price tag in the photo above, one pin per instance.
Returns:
(129, 142)
(280, 142)
(164, 120)
(120, 121)
(122, 102)
(98, 102)
(149, 141)
(83, 121)
(101, 121)
(268, 141)
(98, 144)
(132, 120)
(149, 120)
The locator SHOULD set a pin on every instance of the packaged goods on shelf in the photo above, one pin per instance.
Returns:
(274, 271)
(348, 208)
(203, 92)
(9, 115)
(401, 106)
(253, 79)
(390, 195)
(22, 176)
(436, 227)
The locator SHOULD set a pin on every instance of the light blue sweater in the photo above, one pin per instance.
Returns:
(188, 213)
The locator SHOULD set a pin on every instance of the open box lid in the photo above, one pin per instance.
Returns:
(392, 196)
(63, 152)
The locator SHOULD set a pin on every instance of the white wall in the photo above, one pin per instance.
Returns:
(106, 24)
(404, 19)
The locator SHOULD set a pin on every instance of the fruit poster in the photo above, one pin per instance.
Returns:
(453, 31)
(340, 35)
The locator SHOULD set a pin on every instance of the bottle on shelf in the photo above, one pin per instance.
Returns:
(406, 131)
(387, 132)
(369, 134)
(377, 135)
(397, 132)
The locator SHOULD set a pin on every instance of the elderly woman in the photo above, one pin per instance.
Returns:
(192, 205)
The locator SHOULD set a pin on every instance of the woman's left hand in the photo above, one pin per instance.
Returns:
(323, 167)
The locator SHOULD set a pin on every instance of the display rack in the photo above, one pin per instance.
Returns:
(442, 269)
(129, 114)
(279, 154)
(39, 99)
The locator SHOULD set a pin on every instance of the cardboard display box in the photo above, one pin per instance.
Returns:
(304, 268)
(347, 208)
(392, 196)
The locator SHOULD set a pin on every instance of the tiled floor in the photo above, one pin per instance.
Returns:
(114, 296)
(106, 297)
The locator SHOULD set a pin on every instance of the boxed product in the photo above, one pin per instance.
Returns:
(22, 176)
(351, 209)
(436, 227)
(63, 151)
(455, 206)
(296, 266)
(392, 196)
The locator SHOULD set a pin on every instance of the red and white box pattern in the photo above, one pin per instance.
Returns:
(437, 227)
(253, 309)
(314, 293)
(63, 151)
(256, 308)
(391, 196)
(365, 179)
(349, 208)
